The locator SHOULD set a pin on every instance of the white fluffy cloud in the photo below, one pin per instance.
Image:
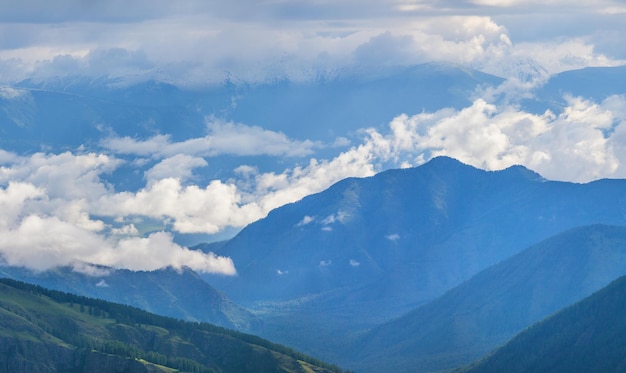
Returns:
(41, 243)
(179, 166)
(12, 199)
(65, 174)
(191, 208)
(157, 251)
(581, 144)
(46, 220)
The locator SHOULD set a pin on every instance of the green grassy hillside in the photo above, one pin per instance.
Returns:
(46, 331)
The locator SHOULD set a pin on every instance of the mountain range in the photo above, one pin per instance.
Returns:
(367, 250)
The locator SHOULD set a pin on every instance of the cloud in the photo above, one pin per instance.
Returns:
(388, 49)
(223, 138)
(57, 209)
(12, 199)
(192, 209)
(125, 230)
(158, 251)
(238, 139)
(557, 56)
(221, 204)
(580, 144)
(306, 220)
(41, 243)
(393, 237)
(150, 147)
(273, 190)
(46, 220)
(63, 175)
(194, 43)
(179, 166)
(76, 10)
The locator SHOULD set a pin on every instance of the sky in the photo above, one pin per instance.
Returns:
(57, 207)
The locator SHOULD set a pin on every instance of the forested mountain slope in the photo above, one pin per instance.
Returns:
(47, 331)
(589, 336)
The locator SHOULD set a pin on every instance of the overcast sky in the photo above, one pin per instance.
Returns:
(193, 41)
(57, 209)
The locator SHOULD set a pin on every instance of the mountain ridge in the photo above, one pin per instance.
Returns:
(344, 196)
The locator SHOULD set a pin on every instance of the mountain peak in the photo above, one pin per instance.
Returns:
(445, 163)
(524, 172)
(444, 160)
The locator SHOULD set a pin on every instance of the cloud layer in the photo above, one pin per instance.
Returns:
(194, 42)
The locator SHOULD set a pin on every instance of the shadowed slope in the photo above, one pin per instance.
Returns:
(589, 336)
